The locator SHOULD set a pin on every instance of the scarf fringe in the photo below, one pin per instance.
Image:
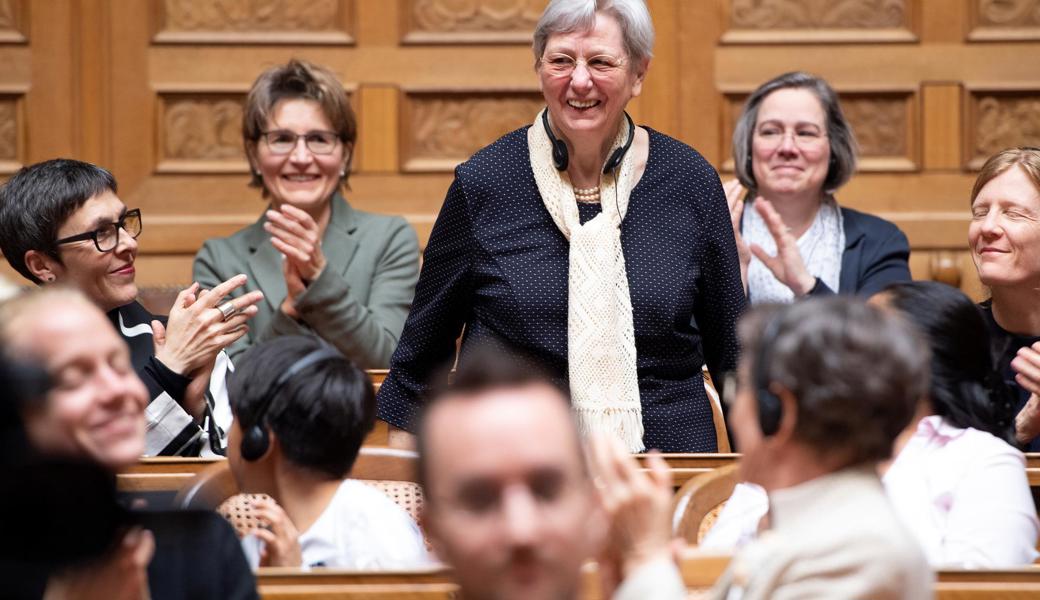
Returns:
(624, 423)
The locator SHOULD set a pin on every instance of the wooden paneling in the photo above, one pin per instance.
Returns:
(152, 90)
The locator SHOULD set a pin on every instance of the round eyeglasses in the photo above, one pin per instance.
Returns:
(283, 142)
(106, 237)
(563, 65)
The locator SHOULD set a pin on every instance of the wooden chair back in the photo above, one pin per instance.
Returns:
(697, 503)
(335, 584)
(717, 416)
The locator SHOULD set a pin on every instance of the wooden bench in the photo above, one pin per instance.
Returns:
(329, 584)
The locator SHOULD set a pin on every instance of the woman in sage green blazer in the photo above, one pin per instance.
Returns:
(345, 275)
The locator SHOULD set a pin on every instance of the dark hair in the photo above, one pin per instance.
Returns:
(856, 373)
(839, 133)
(37, 200)
(321, 415)
(964, 389)
(297, 80)
(484, 368)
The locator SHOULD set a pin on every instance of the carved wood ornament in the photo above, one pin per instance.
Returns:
(202, 129)
(1004, 120)
(805, 14)
(445, 130)
(461, 21)
(8, 129)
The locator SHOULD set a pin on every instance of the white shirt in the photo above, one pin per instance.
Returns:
(361, 529)
(965, 496)
(963, 493)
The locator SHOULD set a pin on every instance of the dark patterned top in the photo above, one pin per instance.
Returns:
(1004, 346)
(497, 264)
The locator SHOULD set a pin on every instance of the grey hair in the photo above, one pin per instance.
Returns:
(817, 350)
(564, 16)
(839, 133)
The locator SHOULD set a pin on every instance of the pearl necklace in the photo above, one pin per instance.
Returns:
(587, 195)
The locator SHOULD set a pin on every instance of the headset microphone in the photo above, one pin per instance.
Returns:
(561, 158)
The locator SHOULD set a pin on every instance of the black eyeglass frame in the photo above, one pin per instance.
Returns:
(120, 225)
(265, 136)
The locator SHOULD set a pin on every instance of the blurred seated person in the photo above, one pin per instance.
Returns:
(956, 481)
(510, 503)
(324, 267)
(61, 222)
(1004, 237)
(95, 412)
(792, 150)
(813, 424)
(302, 411)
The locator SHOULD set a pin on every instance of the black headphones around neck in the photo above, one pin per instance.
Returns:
(561, 158)
(256, 440)
(770, 408)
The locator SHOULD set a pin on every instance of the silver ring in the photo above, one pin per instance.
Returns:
(227, 309)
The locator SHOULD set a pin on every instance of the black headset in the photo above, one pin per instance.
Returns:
(561, 157)
(770, 408)
(256, 439)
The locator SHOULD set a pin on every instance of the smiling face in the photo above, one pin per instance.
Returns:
(509, 505)
(300, 178)
(96, 408)
(107, 278)
(789, 148)
(1004, 234)
(586, 103)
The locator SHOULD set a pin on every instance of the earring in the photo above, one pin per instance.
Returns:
(342, 173)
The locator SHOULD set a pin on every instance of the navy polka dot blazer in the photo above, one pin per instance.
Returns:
(497, 264)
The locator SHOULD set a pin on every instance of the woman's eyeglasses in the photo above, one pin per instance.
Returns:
(563, 65)
(804, 138)
(106, 237)
(284, 142)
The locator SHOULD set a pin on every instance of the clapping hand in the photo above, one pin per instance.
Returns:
(787, 266)
(297, 236)
(1026, 365)
(735, 199)
(279, 534)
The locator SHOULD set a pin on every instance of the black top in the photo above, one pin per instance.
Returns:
(1004, 345)
(497, 264)
(171, 431)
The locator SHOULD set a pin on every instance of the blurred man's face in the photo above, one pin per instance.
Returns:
(96, 408)
(510, 507)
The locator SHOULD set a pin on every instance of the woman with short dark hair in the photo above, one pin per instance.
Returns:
(792, 150)
(324, 267)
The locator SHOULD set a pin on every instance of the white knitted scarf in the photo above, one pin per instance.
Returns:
(601, 345)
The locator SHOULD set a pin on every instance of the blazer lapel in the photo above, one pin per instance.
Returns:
(339, 243)
(850, 258)
(265, 266)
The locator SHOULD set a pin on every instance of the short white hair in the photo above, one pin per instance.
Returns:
(563, 16)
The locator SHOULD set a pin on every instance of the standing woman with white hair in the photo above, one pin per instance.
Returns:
(601, 249)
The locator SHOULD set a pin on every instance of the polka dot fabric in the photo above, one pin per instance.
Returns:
(497, 264)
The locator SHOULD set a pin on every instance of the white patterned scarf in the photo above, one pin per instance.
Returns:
(601, 345)
(821, 247)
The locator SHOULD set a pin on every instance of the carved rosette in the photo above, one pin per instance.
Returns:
(272, 21)
(445, 129)
(813, 14)
(8, 128)
(1002, 120)
(461, 21)
(201, 128)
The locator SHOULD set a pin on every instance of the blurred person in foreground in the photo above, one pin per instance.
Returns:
(813, 424)
(510, 503)
(302, 411)
(95, 412)
(61, 222)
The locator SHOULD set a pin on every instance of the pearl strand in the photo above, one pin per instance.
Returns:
(587, 195)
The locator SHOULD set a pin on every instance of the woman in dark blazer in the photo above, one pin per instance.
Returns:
(792, 149)
(324, 267)
(564, 238)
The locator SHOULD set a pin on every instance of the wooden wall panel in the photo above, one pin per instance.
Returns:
(152, 89)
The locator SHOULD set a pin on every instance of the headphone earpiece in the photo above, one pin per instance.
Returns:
(256, 440)
(561, 158)
(770, 408)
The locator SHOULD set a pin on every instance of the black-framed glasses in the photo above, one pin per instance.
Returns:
(282, 141)
(106, 237)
